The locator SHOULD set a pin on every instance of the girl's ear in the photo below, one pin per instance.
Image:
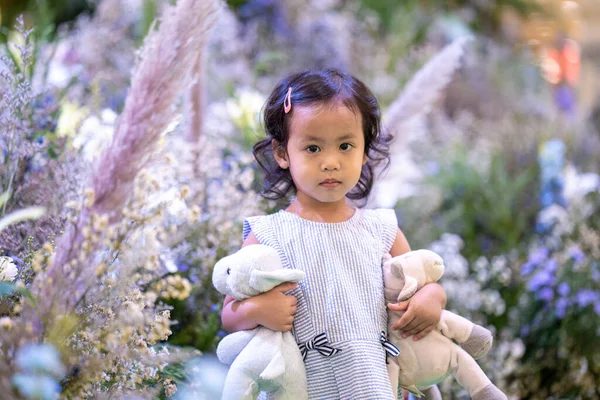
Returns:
(280, 154)
(365, 158)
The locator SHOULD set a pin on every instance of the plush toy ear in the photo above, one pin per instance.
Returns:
(396, 267)
(263, 281)
(411, 285)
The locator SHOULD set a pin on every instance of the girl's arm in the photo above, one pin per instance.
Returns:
(272, 309)
(424, 309)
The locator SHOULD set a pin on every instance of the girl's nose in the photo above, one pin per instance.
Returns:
(330, 164)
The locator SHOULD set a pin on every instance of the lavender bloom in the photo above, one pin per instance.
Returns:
(597, 308)
(182, 266)
(564, 289)
(541, 279)
(545, 294)
(525, 330)
(561, 307)
(586, 297)
(564, 98)
(271, 11)
(528, 268)
(551, 265)
(576, 254)
(537, 257)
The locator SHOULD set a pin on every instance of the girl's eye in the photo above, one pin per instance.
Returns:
(313, 149)
(345, 146)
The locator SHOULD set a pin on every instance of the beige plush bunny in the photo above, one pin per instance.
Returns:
(428, 361)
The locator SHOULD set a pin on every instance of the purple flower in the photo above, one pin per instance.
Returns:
(541, 279)
(270, 11)
(596, 275)
(545, 294)
(525, 330)
(551, 265)
(565, 99)
(597, 308)
(561, 307)
(539, 255)
(527, 268)
(586, 297)
(576, 254)
(221, 333)
(564, 289)
(182, 267)
(214, 308)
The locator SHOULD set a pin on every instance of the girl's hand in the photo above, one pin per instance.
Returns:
(423, 311)
(274, 309)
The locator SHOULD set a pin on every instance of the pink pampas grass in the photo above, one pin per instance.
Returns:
(161, 74)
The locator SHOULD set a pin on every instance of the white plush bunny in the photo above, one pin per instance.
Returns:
(261, 359)
(430, 360)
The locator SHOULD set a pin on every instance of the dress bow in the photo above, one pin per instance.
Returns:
(389, 347)
(319, 343)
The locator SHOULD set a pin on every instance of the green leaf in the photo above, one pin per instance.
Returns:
(4, 198)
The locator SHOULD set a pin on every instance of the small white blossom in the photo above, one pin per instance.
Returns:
(8, 270)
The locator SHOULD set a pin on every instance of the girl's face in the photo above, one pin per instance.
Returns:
(325, 152)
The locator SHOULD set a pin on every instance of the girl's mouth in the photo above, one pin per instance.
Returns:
(330, 183)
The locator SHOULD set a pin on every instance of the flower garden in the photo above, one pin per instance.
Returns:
(126, 172)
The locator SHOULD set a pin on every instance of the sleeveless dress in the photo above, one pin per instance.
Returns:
(341, 318)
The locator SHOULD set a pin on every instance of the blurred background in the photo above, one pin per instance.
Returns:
(498, 174)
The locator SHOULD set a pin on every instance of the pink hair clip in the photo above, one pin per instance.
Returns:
(287, 102)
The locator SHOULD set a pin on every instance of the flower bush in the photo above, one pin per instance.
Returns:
(559, 310)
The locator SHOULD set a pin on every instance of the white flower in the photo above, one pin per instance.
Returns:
(556, 216)
(8, 270)
(578, 185)
(244, 108)
(95, 133)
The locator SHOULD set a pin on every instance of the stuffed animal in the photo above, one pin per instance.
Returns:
(425, 362)
(261, 359)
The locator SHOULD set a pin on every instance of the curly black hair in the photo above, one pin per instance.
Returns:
(311, 87)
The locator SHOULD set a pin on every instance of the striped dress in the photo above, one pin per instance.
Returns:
(341, 297)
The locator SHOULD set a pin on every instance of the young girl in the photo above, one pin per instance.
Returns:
(324, 138)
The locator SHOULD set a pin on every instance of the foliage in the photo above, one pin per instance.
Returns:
(478, 199)
(483, 17)
(48, 14)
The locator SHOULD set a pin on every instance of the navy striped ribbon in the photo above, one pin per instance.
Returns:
(389, 347)
(319, 343)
